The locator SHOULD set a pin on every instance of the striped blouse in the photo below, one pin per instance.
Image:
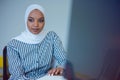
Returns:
(32, 61)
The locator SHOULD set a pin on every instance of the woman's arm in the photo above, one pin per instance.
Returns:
(15, 66)
(59, 55)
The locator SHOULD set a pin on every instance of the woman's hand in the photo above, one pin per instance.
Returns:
(56, 71)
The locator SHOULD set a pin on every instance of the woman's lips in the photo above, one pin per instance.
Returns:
(35, 29)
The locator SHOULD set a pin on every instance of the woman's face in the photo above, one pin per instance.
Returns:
(35, 21)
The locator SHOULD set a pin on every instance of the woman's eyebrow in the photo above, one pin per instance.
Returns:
(30, 17)
(41, 18)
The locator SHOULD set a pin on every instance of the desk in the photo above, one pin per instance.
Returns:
(1, 67)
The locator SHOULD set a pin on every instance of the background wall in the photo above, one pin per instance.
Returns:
(94, 29)
(12, 18)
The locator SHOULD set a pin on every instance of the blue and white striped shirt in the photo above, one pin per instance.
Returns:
(32, 61)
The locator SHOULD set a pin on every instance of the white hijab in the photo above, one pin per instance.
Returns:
(27, 36)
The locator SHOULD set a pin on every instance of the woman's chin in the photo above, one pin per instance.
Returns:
(35, 32)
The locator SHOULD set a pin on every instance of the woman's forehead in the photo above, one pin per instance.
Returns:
(36, 12)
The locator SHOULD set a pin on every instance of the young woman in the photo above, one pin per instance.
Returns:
(36, 54)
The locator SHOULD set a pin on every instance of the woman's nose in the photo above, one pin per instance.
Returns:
(36, 24)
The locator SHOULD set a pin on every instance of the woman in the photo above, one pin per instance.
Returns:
(36, 54)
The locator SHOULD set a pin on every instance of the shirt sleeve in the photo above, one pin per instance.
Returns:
(58, 52)
(15, 67)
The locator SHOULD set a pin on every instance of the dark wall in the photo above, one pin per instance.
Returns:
(94, 29)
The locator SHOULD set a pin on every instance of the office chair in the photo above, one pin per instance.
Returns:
(5, 65)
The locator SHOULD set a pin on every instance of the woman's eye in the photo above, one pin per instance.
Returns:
(41, 20)
(31, 20)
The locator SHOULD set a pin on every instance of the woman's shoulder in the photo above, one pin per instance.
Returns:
(52, 33)
(13, 42)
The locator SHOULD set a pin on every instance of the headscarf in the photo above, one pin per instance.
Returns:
(27, 36)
